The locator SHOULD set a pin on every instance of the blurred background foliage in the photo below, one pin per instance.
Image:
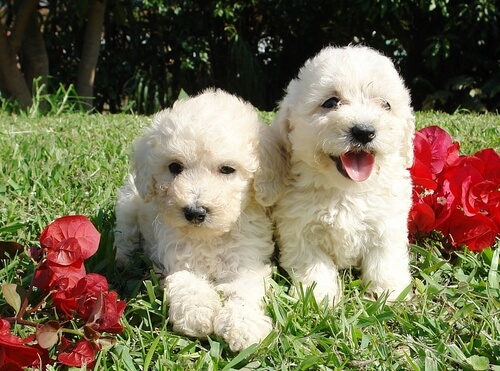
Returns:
(151, 51)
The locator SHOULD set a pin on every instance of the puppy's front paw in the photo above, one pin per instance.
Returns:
(195, 320)
(193, 304)
(121, 259)
(329, 291)
(322, 289)
(241, 326)
(392, 294)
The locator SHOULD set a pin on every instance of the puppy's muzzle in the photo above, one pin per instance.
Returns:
(195, 214)
(357, 163)
(362, 133)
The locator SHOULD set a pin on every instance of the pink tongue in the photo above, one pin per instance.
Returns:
(358, 165)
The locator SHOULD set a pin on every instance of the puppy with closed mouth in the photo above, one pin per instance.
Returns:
(347, 125)
(202, 178)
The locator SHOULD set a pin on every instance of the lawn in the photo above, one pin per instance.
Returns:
(73, 163)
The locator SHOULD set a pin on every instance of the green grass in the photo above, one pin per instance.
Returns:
(73, 164)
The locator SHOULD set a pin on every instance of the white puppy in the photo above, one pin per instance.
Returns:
(348, 127)
(202, 176)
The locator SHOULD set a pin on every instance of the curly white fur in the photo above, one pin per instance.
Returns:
(348, 126)
(203, 175)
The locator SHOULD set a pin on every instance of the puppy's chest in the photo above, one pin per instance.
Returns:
(211, 262)
(340, 213)
(345, 230)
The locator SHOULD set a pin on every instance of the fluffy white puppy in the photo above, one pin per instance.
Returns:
(348, 126)
(202, 176)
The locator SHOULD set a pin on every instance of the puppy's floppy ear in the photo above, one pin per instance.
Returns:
(270, 176)
(141, 166)
(281, 126)
(274, 156)
(407, 145)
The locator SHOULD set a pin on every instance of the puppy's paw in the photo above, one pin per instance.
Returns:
(193, 304)
(329, 291)
(392, 294)
(121, 259)
(241, 326)
(193, 320)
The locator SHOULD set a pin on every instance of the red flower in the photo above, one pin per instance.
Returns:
(420, 172)
(476, 233)
(88, 290)
(82, 354)
(112, 312)
(49, 275)
(443, 152)
(422, 218)
(69, 239)
(65, 244)
(456, 195)
(491, 161)
(105, 312)
(14, 351)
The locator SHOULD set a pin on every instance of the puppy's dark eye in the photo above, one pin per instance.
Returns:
(227, 170)
(175, 168)
(385, 105)
(332, 102)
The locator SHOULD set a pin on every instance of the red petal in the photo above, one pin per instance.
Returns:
(4, 327)
(491, 161)
(65, 302)
(77, 226)
(65, 253)
(43, 277)
(421, 175)
(421, 219)
(422, 149)
(113, 310)
(477, 232)
(10, 366)
(452, 155)
(82, 354)
(442, 202)
(460, 184)
(94, 283)
(439, 141)
(14, 349)
(49, 275)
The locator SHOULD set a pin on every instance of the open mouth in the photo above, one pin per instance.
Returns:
(355, 165)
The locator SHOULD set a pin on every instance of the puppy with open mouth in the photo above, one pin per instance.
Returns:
(347, 125)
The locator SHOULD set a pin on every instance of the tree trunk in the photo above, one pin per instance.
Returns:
(90, 52)
(35, 60)
(12, 80)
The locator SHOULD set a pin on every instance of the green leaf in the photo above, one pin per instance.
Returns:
(215, 349)
(182, 94)
(123, 355)
(151, 352)
(478, 362)
(12, 227)
(464, 312)
(244, 354)
(47, 335)
(14, 295)
(493, 273)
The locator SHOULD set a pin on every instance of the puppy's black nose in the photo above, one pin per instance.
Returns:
(195, 214)
(363, 133)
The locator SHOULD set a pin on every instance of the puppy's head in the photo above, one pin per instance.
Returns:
(346, 113)
(201, 162)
